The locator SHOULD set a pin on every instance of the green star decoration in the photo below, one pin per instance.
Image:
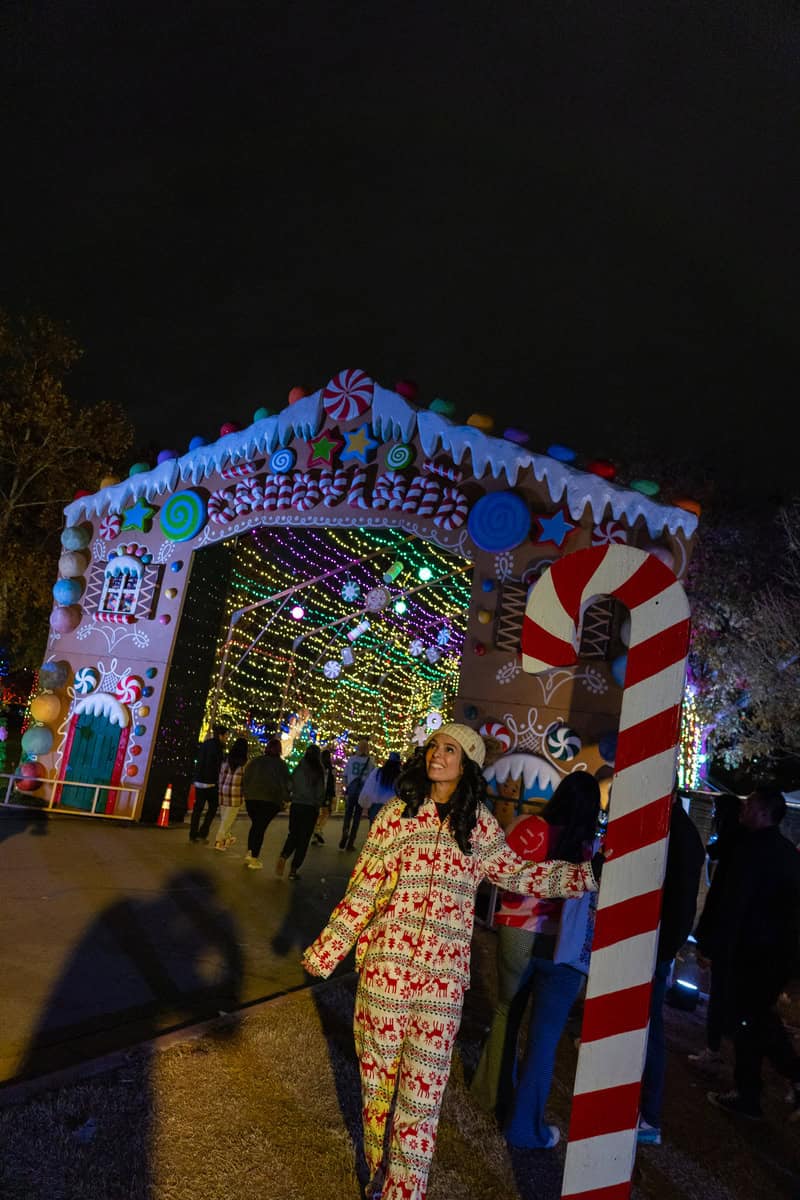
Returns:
(358, 444)
(323, 449)
(139, 517)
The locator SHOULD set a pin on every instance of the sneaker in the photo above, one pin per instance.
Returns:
(220, 846)
(255, 864)
(647, 1134)
(342, 845)
(279, 865)
(732, 1102)
(318, 840)
(230, 841)
(706, 1058)
(248, 856)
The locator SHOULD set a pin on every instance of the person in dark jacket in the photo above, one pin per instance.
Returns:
(267, 791)
(308, 796)
(685, 858)
(330, 796)
(208, 764)
(750, 928)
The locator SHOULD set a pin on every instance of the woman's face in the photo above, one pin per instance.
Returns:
(444, 759)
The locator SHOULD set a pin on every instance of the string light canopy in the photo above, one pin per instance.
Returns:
(346, 663)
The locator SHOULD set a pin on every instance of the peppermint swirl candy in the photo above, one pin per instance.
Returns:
(183, 516)
(400, 456)
(282, 461)
(110, 527)
(348, 395)
(609, 533)
(86, 680)
(332, 669)
(562, 742)
(129, 689)
(499, 521)
(498, 732)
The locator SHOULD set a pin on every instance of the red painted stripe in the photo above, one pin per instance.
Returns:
(629, 918)
(616, 1012)
(571, 574)
(657, 653)
(538, 643)
(651, 578)
(614, 1191)
(607, 1110)
(642, 827)
(653, 736)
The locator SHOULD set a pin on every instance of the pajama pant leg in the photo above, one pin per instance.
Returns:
(381, 1013)
(228, 815)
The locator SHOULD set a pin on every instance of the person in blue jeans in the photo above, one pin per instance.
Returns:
(516, 1093)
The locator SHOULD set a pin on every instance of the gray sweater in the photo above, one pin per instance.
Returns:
(266, 778)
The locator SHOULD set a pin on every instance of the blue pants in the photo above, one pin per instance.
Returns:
(655, 1058)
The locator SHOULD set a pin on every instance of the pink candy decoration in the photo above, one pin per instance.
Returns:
(229, 427)
(110, 527)
(348, 395)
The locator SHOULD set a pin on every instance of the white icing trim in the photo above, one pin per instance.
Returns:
(101, 704)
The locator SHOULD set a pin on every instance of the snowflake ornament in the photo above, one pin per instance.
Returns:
(351, 591)
(332, 669)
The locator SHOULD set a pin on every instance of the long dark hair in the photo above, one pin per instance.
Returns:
(237, 755)
(389, 771)
(311, 762)
(574, 805)
(413, 785)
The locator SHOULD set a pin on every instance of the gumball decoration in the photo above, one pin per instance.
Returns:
(481, 421)
(171, 593)
(109, 481)
(561, 453)
(488, 585)
(131, 769)
(648, 487)
(691, 506)
(618, 669)
(261, 414)
(498, 731)
(53, 674)
(484, 616)
(147, 691)
(140, 730)
(229, 427)
(129, 689)
(75, 537)
(138, 468)
(282, 461)
(45, 708)
(520, 437)
(136, 751)
(470, 712)
(348, 395)
(110, 527)
(67, 591)
(164, 619)
(499, 521)
(29, 776)
(72, 564)
(65, 619)
(197, 442)
(38, 739)
(144, 710)
(602, 467)
(607, 747)
(296, 394)
(81, 492)
(407, 388)
(332, 669)
(183, 515)
(445, 408)
(562, 742)
(165, 456)
(176, 566)
(479, 648)
(86, 680)
(151, 672)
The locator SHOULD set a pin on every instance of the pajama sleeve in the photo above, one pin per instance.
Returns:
(551, 879)
(368, 892)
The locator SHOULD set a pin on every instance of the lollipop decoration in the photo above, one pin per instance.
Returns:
(183, 515)
(129, 689)
(609, 533)
(499, 521)
(562, 742)
(348, 395)
(400, 456)
(86, 680)
(110, 527)
(498, 732)
(282, 461)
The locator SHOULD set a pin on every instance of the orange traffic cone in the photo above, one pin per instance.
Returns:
(191, 799)
(163, 816)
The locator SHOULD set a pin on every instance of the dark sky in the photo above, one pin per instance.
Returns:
(580, 216)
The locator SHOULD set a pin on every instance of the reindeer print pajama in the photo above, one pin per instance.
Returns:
(409, 908)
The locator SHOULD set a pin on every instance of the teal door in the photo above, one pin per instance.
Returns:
(92, 759)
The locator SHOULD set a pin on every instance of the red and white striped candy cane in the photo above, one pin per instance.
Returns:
(221, 508)
(452, 512)
(416, 490)
(355, 495)
(237, 472)
(430, 499)
(305, 491)
(269, 500)
(108, 618)
(451, 473)
(249, 495)
(605, 1105)
(389, 491)
(333, 486)
(285, 488)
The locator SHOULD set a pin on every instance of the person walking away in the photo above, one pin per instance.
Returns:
(206, 783)
(750, 925)
(378, 787)
(685, 858)
(527, 929)
(267, 791)
(308, 794)
(231, 775)
(330, 797)
(356, 770)
(409, 910)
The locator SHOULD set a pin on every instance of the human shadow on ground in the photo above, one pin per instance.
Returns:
(14, 821)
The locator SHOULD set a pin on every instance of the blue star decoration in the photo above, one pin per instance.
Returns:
(139, 517)
(358, 444)
(555, 529)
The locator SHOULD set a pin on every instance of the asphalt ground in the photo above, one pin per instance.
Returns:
(126, 944)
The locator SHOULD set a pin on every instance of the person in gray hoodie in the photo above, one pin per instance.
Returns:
(267, 791)
(308, 796)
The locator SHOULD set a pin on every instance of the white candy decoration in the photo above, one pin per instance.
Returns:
(348, 395)
(86, 680)
(416, 648)
(562, 742)
(332, 669)
(110, 527)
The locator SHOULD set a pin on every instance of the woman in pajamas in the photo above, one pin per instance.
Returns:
(409, 909)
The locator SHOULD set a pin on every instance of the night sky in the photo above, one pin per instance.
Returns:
(582, 217)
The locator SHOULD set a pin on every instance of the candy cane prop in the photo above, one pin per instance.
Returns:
(605, 1105)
